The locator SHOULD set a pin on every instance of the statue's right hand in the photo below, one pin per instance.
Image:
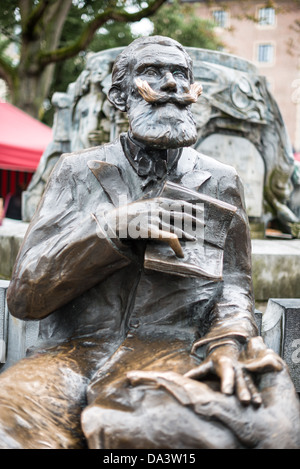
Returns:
(158, 218)
(235, 368)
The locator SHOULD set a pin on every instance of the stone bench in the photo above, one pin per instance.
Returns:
(279, 326)
(281, 332)
(16, 336)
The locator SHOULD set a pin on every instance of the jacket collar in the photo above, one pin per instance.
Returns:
(117, 175)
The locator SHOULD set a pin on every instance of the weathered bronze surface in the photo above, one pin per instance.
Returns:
(131, 322)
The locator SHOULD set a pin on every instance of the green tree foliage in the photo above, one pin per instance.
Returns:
(114, 34)
(180, 21)
(48, 32)
(52, 38)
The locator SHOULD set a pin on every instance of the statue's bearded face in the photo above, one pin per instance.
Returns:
(159, 101)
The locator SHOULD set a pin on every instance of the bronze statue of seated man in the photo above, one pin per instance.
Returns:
(138, 264)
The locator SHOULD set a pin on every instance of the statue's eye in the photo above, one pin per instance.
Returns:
(179, 74)
(151, 72)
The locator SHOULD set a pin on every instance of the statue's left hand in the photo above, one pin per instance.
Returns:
(234, 368)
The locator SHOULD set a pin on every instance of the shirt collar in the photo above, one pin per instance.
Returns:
(151, 165)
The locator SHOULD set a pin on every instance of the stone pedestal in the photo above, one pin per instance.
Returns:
(11, 236)
(276, 272)
(16, 336)
(3, 321)
(245, 158)
(281, 333)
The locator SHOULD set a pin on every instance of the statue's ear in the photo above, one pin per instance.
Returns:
(117, 98)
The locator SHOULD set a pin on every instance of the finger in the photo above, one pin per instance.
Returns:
(226, 373)
(186, 218)
(181, 219)
(141, 377)
(181, 234)
(172, 240)
(196, 345)
(180, 206)
(177, 231)
(200, 371)
(255, 395)
(190, 226)
(254, 346)
(136, 378)
(268, 362)
(242, 390)
(176, 246)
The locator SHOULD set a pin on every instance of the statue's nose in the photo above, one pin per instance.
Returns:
(169, 82)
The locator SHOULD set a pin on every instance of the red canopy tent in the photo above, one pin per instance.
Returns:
(23, 140)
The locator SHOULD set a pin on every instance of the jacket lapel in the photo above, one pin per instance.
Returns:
(121, 180)
(110, 178)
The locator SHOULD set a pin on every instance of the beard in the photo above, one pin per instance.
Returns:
(162, 126)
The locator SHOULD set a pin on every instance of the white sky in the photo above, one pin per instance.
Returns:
(143, 27)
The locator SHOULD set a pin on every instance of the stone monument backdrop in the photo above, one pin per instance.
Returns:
(238, 123)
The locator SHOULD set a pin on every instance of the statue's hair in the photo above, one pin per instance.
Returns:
(125, 60)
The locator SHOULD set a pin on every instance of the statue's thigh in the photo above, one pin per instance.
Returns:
(41, 398)
(155, 421)
(173, 412)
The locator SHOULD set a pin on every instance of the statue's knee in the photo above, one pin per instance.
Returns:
(92, 423)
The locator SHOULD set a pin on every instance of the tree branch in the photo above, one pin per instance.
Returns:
(9, 35)
(87, 35)
(34, 17)
(25, 7)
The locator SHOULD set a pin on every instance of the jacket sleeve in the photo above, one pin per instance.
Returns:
(65, 251)
(232, 318)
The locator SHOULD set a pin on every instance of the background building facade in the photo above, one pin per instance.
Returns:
(267, 34)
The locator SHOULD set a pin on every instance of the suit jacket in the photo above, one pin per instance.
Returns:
(83, 282)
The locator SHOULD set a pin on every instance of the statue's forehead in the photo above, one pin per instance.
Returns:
(159, 54)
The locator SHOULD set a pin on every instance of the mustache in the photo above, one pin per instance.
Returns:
(160, 97)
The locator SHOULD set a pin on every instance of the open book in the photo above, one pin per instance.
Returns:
(203, 257)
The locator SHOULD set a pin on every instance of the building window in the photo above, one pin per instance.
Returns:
(220, 18)
(266, 17)
(265, 53)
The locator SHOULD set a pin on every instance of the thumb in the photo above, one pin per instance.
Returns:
(202, 370)
(269, 361)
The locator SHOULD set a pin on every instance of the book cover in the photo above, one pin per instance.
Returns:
(203, 257)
